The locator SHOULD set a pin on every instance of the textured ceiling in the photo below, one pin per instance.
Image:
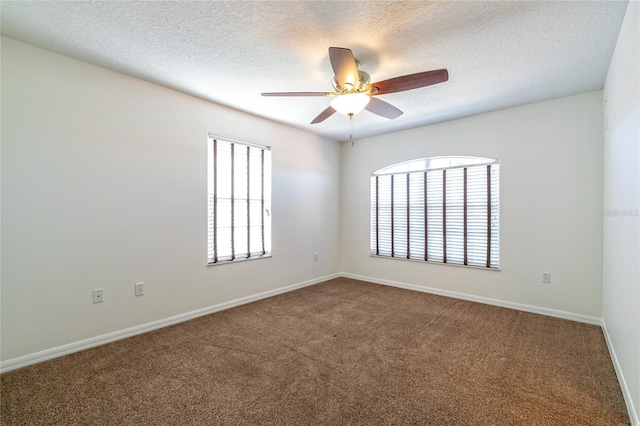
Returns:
(499, 54)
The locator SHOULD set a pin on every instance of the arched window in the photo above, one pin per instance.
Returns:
(439, 209)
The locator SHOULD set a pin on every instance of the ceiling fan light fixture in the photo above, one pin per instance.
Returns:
(350, 103)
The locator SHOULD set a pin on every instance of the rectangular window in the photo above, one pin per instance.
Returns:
(239, 200)
(445, 215)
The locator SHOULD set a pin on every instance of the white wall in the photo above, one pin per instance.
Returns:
(621, 282)
(104, 185)
(551, 203)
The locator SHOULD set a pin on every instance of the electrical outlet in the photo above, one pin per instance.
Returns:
(139, 289)
(98, 296)
(546, 277)
(315, 257)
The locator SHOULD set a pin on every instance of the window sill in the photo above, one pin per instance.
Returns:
(239, 260)
(435, 262)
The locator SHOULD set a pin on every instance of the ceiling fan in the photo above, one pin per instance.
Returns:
(353, 91)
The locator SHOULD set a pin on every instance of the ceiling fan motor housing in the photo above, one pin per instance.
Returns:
(363, 82)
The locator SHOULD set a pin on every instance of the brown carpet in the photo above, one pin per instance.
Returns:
(337, 353)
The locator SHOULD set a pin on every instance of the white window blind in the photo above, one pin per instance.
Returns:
(239, 201)
(442, 210)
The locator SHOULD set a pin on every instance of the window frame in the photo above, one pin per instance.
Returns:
(214, 257)
(408, 170)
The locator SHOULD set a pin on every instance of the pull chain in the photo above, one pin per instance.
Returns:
(351, 129)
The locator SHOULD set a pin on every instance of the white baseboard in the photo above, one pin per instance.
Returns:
(59, 351)
(486, 300)
(633, 414)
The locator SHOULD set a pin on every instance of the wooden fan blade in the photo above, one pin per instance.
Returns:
(296, 94)
(411, 81)
(344, 66)
(324, 115)
(383, 109)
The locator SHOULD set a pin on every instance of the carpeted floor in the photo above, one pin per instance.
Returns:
(342, 352)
